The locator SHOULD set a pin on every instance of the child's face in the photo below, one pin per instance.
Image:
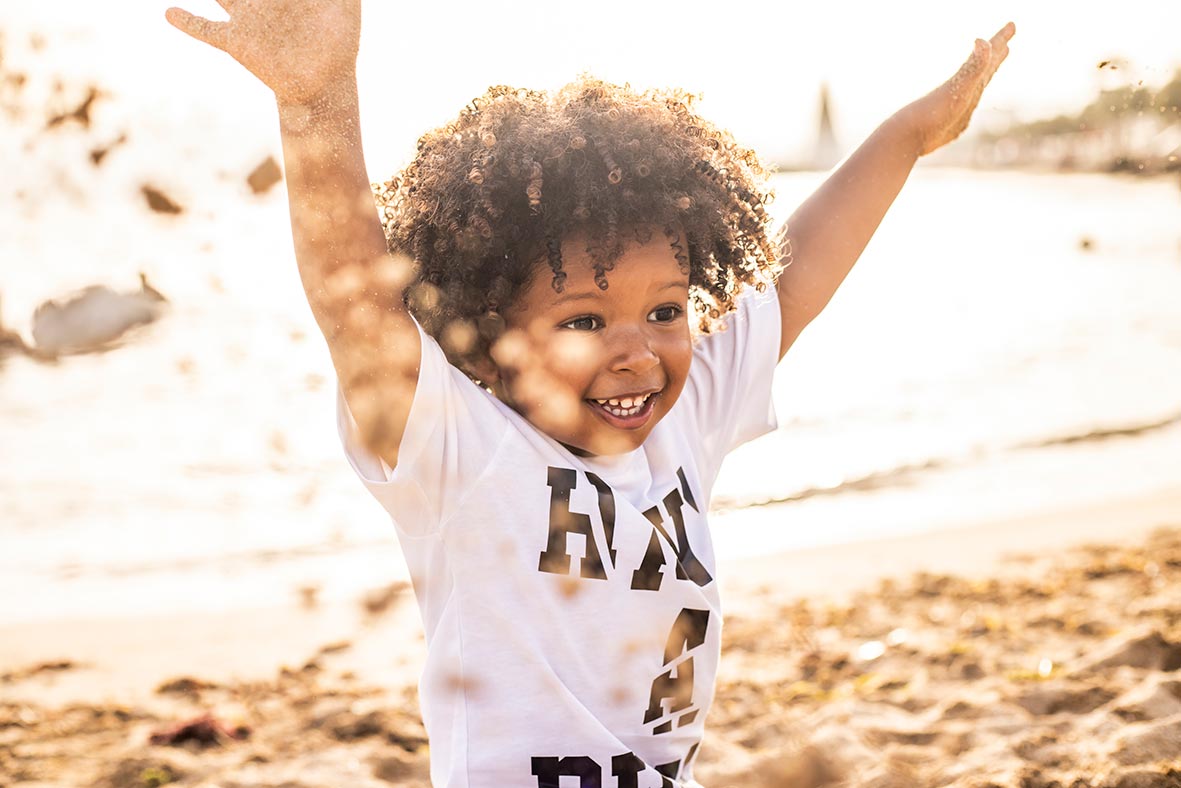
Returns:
(596, 369)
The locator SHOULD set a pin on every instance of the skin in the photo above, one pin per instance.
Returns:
(305, 51)
(562, 351)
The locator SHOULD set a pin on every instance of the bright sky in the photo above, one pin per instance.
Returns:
(759, 64)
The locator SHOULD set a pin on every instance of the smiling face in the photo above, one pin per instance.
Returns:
(597, 369)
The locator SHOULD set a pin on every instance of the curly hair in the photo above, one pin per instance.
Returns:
(493, 194)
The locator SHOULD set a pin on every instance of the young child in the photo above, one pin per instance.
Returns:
(576, 315)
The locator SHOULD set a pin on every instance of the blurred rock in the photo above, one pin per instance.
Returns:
(94, 319)
(1152, 700)
(264, 176)
(205, 731)
(1058, 699)
(379, 600)
(158, 201)
(80, 114)
(1149, 742)
(184, 685)
(1144, 650)
(97, 155)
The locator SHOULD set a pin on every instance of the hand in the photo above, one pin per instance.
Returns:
(940, 116)
(298, 48)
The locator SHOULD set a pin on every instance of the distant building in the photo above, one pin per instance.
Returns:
(827, 152)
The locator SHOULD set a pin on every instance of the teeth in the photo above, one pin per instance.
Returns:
(628, 406)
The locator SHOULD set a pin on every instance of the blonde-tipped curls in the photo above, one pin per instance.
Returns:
(491, 196)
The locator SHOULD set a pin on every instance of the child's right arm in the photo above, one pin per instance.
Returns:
(305, 51)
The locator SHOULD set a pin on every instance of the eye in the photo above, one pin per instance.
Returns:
(584, 323)
(665, 314)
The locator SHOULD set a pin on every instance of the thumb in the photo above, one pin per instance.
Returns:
(212, 33)
(977, 62)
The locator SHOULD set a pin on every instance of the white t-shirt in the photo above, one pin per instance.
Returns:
(571, 611)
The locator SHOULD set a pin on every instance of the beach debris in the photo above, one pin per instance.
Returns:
(394, 769)
(155, 776)
(870, 650)
(158, 201)
(335, 647)
(184, 685)
(349, 724)
(309, 596)
(94, 319)
(80, 114)
(141, 773)
(379, 600)
(97, 155)
(205, 730)
(264, 176)
(55, 666)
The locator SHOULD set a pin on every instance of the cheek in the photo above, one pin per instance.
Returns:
(575, 358)
(677, 356)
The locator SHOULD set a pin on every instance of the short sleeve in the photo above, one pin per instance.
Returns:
(453, 431)
(728, 393)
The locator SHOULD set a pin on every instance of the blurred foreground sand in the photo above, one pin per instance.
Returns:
(1042, 662)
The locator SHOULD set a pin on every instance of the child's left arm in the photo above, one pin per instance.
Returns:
(828, 232)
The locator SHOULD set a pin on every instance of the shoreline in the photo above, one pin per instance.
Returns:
(124, 658)
(972, 548)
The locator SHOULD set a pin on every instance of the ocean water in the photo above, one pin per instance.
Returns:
(1008, 342)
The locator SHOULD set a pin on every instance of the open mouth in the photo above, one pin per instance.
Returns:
(628, 412)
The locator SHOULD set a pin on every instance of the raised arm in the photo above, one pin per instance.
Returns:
(828, 232)
(306, 51)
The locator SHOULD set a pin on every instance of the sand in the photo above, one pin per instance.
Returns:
(1037, 652)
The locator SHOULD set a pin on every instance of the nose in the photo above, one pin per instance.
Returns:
(632, 351)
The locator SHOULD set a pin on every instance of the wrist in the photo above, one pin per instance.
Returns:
(906, 128)
(335, 101)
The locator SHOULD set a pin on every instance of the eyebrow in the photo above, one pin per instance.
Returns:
(592, 295)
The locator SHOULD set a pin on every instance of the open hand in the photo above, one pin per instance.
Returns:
(298, 48)
(942, 115)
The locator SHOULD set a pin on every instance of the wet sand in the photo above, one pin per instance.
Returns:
(1034, 652)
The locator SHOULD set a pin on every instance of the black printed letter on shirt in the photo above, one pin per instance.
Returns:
(650, 573)
(562, 521)
(548, 770)
(688, 567)
(688, 633)
(626, 770)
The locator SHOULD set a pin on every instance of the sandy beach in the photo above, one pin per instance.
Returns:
(1040, 651)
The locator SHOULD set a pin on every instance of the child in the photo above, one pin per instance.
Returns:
(521, 386)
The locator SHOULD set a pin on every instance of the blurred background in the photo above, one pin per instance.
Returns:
(1010, 341)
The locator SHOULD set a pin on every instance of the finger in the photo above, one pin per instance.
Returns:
(1004, 34)
(1000, 49)
(213, 33)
